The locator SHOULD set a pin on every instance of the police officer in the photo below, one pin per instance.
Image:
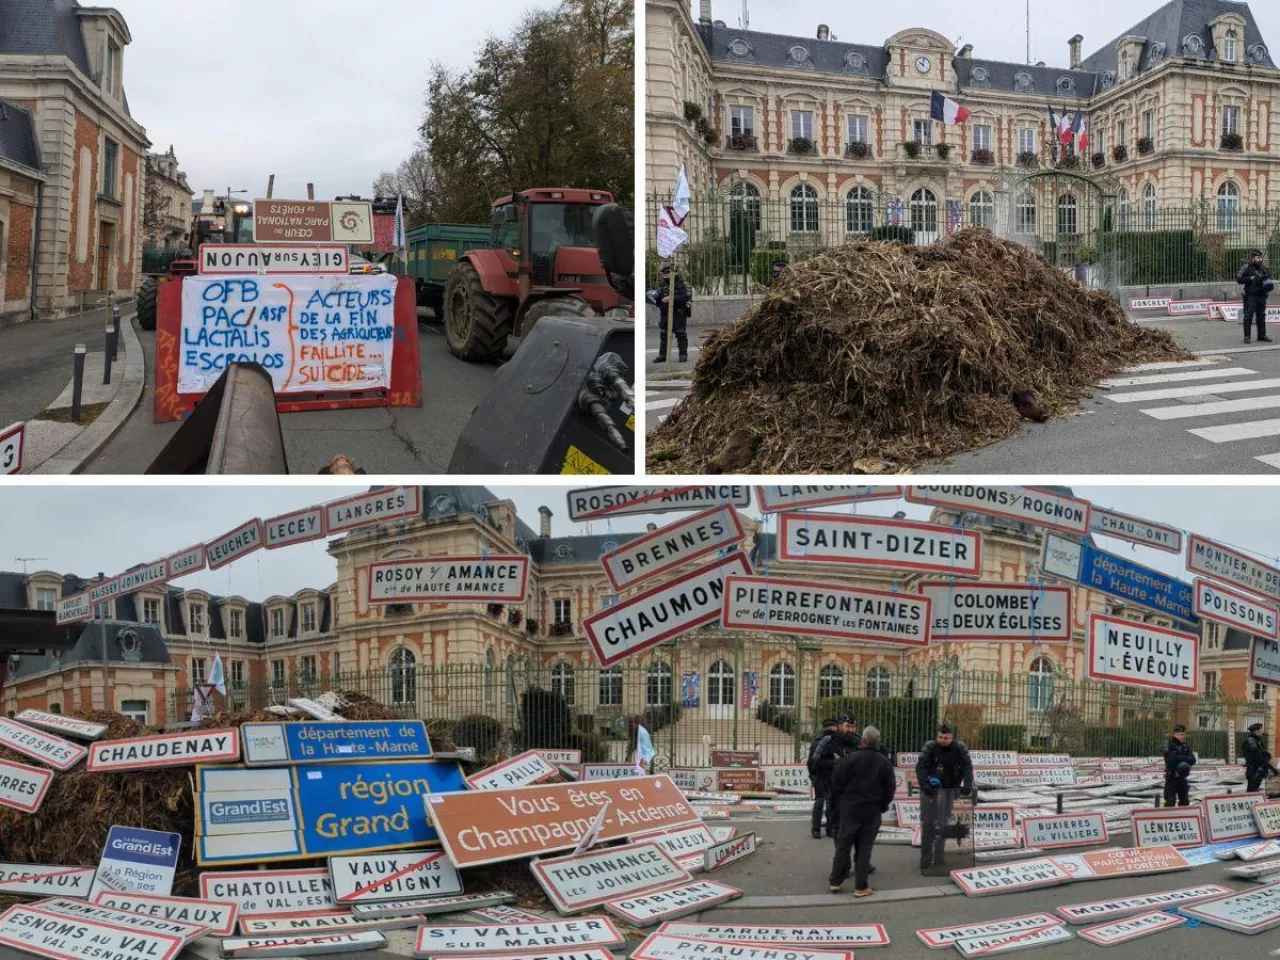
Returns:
(1257, 761)
(944, 766)
(821, 763)
(1178, 761)
(1257, 283)
(679, 318)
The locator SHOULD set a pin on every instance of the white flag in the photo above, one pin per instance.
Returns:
(680, 208)
(217, 679)
(399, 241)
(593, 832)
(670, 236)
(644, 751)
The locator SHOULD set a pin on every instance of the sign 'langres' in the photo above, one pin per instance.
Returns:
(824, 609)
(1124, 527)
(1042, 508)
(237, 543)
(672, 546)
(494, 579)
(1141, 654)
(1225, 605)
(165, 750)
(1264, 662)
(592, 502)
(1212, 559)
(875, 542)
(394, 503)
(795, 497)
(999, 611)
(662, 612)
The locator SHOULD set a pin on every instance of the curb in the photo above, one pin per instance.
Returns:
(844, 901)
(73, 457)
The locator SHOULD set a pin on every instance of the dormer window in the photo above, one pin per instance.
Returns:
(1229, 47)
(195, 619)
(308, 618)
(46, 598)
(277, 622)
(112, 73)
(1126, 66)
(151, 610)
(235, 624)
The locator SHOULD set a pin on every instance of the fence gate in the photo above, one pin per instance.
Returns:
(1055, 212)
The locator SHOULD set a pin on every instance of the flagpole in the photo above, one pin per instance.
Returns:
(671, 313)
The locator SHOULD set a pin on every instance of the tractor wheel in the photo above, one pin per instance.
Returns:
(147, 303)
(475, 324)
(556, 307)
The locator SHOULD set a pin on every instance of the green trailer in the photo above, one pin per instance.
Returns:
(431, 253)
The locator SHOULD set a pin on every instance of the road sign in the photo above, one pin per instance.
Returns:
(1033, 505)
(494, 579)
(335, 742)
(520, 771)
(681, 842)
(672, 546)
(660, 613)
(11, 442)
(291, 945)
(310, 221)
(490, 826)
(314, 709)
(650, 908)
(1266, 815)
(1112, 523)
(1009, 877)
(1028, 613)
(877, 542)
(317, 922)
(778, 499)
(135, 860)
(234, 544)
(516, 937)
(1220, 562)
(1069, 830)
(1133, 861)
(270, 810)
(1149, 303)
(73, 609)
(23, 787)
(586, 953)
(1264, 662)
(1224, 605)
(786, 778)
(1188, 308)
(46, 880)
(1251, 912)
(577, 883)
(1077, 913)
(590, 503)
(404, 876)
(937, 938)
(571, 758)
(223, 258)
(506, 915)
(277, 892)
(377, 506)
(608, 771)
(93, 911)
(433, 905)
(164, 750)
(776, 605)
(297, 527)
(661, 946)
(838, 936)
(1108, 573)
(722, 854)
(1230, 816)
(1141, 654)
(217, 916)
(33, 930)
(145, 575)
(1167, 828)
(49, 750)
(987, 946)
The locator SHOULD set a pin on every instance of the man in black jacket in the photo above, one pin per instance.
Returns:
(944, 767)
(679, 318)
(1178, 761)
(820, 764)
(862, 788)
(1257, 760)
(1257, 284)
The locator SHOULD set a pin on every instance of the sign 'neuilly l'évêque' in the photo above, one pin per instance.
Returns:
(1235, 609)
(292, 945)
(662, 612)
(1011, 877)
(779, 499)
(62, 725)
(672, 546)
(234, 544)
(876, 542)
(1079, 913)
(300, 526)
(836, 936)
(218, 916)
(1230, 816)
(494, 579)
(376, 506)
(516, 937)
(937, 938)
(165, 750)
(577, 883)
(1220, 562)
(521, 770)
(1264, 662)
(777, 605)
(22, 787)
(590, 503)
(1167, 828)
(1033, 505)
(277, 892)
(81, 910)
(1141, 654)
(50, 750)
(32, 930)
(338, 741)
(1029, 613)
(661, 946)
(392, 876)
(46, 880)
(646, 909)
(1112, 523)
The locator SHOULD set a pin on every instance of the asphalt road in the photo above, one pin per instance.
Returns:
(381, 440)
(36, 362)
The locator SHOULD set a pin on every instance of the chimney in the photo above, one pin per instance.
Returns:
(1074, 46)
(206, 204)
(544, 526)
(965, 50)
(824, 32)
(704, 11)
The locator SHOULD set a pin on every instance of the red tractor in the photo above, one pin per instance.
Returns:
(541, 261)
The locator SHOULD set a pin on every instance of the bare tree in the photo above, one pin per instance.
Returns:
(415, 180)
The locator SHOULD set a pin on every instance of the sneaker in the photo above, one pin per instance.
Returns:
(1260, 340)
(864, 892)
(835, 887)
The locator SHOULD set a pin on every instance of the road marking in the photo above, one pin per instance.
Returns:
(1197, 390)
(652, 405)
(669, 384)
(1176, 377)
(1250, 430)
(654, 350)
(1168, 365)
(1271, 460)
(1183, 411)
(1243, 348)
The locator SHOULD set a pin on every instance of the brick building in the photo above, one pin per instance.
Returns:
(166, 209)
(21, 183)
(65, 64)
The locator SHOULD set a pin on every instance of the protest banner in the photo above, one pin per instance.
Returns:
(32, 930)
(1028, 613)
(217, 916)
(878, 542)
(524, 938)
(1033, 505)
(776, 605)
(581, 881)
(779, 499)
(521, 770)
(495, 579)
(334, 741)
(672, 546)
(1226, 565)
(164, 750)
(646, 909)
(50, 750)
(590, 503)
(1224, 605)
(392, 876)
(1141, 654)
(45, 880)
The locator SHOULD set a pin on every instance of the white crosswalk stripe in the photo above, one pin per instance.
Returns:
(1197, 390)
(1177, 377)
(1169, 365)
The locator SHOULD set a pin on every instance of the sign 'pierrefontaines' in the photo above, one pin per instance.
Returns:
(775, 605)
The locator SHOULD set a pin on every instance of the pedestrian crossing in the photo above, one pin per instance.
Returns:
(1183, 391)
(661, 396)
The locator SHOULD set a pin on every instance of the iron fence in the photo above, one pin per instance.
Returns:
(695, 699)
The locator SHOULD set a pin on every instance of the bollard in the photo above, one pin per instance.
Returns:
(115, 322)
(77, 383)
(107, 355)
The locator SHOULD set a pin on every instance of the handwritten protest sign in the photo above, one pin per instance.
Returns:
(311, 333)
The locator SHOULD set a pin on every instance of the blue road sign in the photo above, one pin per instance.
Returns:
(135, 860)
(1088, 566)
(334, 742)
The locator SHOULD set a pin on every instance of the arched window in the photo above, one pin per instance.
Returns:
(404, 685)
(720, 684)
(878, 682)
(1228, 205)
(1122, 206)
(1025, 212)
(1149, 206)
(610, 687)
(923, 207)
(982, 209)
(490, 665)
(1040, 684)
(562, 681)
(1068, 214)
(804, 209)
(782, 685)
(745, 197)
(658, 689)
(1229, 47)
(858, 211)
(830, 681)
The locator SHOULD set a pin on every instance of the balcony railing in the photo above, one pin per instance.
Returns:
(1231, 141)
(741, 141)
(858, 150)
(982, 157)
(802, 145)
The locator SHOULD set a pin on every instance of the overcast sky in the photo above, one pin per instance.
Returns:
(996, 28)
(323, 91)
(87, 530)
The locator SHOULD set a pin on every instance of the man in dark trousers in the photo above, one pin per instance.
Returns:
(821, 763)
(679, 320)
(944, 767)
(1257, 760)
(1257, 283)
(862, 788)
(1178, 761)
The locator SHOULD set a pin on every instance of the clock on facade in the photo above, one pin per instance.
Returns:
(923, 64)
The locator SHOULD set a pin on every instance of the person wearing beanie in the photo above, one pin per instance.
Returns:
(1257, 284)
(1257, 760)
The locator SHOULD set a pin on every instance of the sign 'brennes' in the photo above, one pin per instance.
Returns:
(1029, 613)
(876, 542)
(672, 546)
(492, 579)
(833, 610)
(662, 612)
(778, 499)
(1041, 508)
(1235, 609)
(1141, 654)
(1212, 559)
(592, 502)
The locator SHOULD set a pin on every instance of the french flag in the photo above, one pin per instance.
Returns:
(947, 110)
(1082, 135)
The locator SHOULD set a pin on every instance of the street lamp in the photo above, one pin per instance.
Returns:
(237, 211)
